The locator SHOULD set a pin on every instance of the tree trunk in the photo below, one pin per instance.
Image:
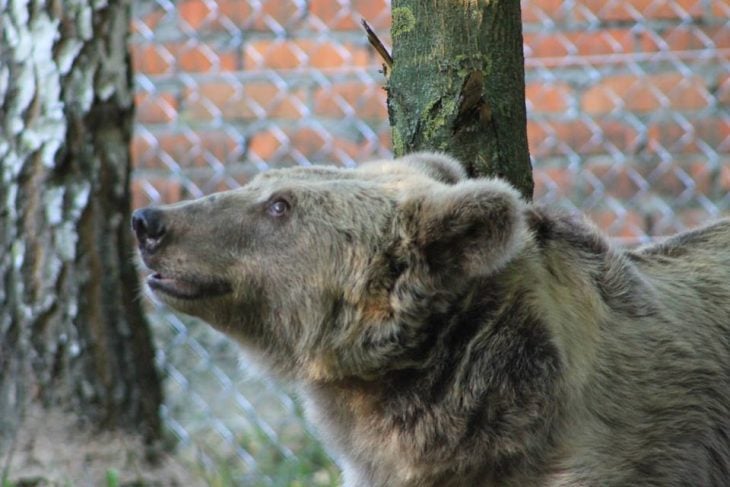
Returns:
(457, 85)
(72, 333)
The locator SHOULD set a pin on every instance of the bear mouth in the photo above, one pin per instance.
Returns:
(187, 288)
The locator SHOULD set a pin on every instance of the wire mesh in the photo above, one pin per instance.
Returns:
(628, 121)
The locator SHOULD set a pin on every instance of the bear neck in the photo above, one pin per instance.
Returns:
(487, 375)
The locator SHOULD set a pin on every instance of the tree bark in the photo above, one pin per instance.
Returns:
(72, 334)
(457, 85)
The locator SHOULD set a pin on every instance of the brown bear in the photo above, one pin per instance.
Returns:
(444, 332)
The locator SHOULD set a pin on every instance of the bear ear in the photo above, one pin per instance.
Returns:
(436, 165)
(472, 228)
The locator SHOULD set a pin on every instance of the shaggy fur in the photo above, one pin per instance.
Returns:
(443, 332)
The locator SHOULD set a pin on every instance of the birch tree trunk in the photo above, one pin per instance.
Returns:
(457, 84)
(72, 334)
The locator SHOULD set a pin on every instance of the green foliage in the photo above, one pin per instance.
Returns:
(112, 478)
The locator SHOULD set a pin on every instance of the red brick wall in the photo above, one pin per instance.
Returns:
(627, 100)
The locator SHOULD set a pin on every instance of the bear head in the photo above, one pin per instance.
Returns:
(326, 273)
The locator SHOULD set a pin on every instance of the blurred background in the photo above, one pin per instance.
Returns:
(628, 105)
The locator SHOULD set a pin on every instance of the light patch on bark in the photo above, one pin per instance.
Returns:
(53, 203)
(67, 52)
(4, 83)
(403, 21)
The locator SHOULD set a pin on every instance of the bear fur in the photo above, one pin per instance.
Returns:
(444, 332)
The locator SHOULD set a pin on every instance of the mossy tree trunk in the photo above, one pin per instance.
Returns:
(72, 334)
(457, 85)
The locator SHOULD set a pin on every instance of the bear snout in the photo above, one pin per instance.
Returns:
(149, 227)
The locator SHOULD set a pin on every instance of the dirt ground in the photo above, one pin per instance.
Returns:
(51, 449)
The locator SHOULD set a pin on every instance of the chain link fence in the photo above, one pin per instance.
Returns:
(628, 121)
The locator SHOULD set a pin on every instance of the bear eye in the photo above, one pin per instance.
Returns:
(278, 208)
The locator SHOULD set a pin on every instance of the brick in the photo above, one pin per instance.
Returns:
(678, 38)
(273, 55)
(230, 182)
(702, 175)
(676, 139)
(333, 14)
(629, 225)
(290, 54)
(284, 148)
(203, 102)
(219, 147)
(720, 35)
(353, 148)
(180, 149)
(722, 93)
(199, 150)
(692, 218)
(629, 10)
(195, 58)
(280, 17)
(385, 137)
(151, 59)
(670, 136)
(141, 151)
(376, 12)
(548, 98)
(620, 181)
(539, 140)
(324, 55)
(155, 190)
(724, 180)
(268, 145)
(328, 55)
(555, 182)
(720, 8)
(156, 107)
(346, 149)
(147, 23)
(229, 60)
(346, 16)
(277, 16)
(610, 93)
(550, 138)
(605, 41)
(194, 12)
(248, 101)
(275, 103)
(537, 11)
(545, 45)
(616, 133)
(715, 132)
(630, 93)
(672, 179)
(309, 142)
(555, 138)
(238, 12)
(365, 101)
(560, 44)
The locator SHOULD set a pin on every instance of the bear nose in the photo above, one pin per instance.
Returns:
(149, 226)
